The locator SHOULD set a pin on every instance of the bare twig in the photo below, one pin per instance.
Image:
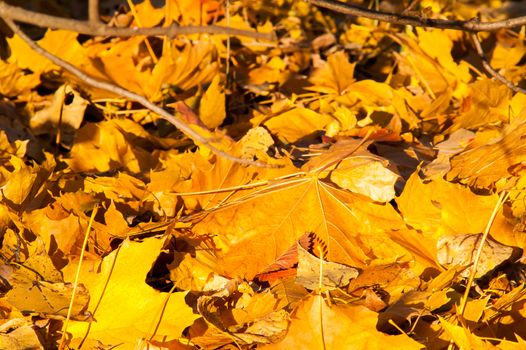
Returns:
(20, 14)
(93, 12)
(489, 69)
(130, 95)
(472, 25)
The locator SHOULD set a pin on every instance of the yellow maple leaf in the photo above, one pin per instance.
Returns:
(335, 76)
(267, 222)
(338, 327)
(212, 107)
(442, 207)
(126, 309)
(297, 123)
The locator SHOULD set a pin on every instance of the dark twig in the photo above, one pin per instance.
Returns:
(93, 12)
(472, 25)
(19, 14)
(68, 67)
(489, 69)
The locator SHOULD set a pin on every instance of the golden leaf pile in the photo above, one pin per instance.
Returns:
(388, 151)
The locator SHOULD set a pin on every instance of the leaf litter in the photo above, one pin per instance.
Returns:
(392, 152)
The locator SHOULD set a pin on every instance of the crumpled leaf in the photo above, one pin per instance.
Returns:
(250, 317)
(461, 249)
(333, 275)
(19, 336)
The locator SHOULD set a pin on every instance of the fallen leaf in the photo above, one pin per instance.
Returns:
(282, 213)
(212, 106)
(338, 327)
(124, 307)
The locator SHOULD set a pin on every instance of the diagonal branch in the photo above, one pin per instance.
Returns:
(187, 130)
(490, 70)
(472, 25)
(90, 27)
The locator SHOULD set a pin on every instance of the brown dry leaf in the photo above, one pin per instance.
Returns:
(408, 307)
(460, 250)
(267, 222)
(37, 286)
(333, 275)
(128, 309)
(19, 336)
(338, 327)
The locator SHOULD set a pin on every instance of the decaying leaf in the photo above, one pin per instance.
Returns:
(252, 318)
(460, 250)
(333, 275)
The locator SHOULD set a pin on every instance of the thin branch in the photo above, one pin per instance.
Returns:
(19, 14)
(472, 25)
(490, 70)
(85, 78)
(93, 12)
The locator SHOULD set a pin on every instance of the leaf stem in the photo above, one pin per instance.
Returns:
(77, 276)
(502, 198)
